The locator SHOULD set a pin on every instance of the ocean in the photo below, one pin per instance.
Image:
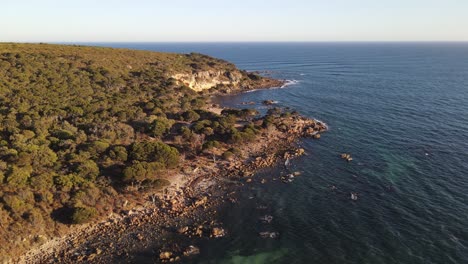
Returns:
(400, 110)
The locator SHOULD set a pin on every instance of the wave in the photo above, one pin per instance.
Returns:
(289, 83)
(286, 84)
(325, 124)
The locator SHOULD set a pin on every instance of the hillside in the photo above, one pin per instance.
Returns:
(84, 129)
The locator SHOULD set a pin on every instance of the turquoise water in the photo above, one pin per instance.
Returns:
(401, 110)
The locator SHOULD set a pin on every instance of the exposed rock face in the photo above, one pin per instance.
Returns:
(203, 80)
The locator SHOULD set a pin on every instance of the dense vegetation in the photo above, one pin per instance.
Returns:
(80, 125)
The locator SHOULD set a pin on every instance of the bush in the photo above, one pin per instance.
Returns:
(18, 176)
(155, 152)
(198, 103)
(88, 169)
(254, 76)
(160, 127)
(141, 171)
(34, 217)
(16, 205)
(86, 196)
(96, 148)
(210, 144)
(190, 116)
(186, 132)
(208, 131)
(235, 137)
(44, 181)
(159, 183)
(118, 153)
(100, 146)
(81, 215)
(200, 125)
(63, 134)
(227, 155)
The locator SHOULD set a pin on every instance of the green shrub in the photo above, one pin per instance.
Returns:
(227, 155)
(63, 134)
(81, 215)
(158, 183)
(88, 169)
(190, 116)
(18, 176)
(86, 196)
(15, 204)
(235, 151)
(254, 76)
(210, 144)
(118, 153)
(43, 181)
(153, 151)
(160, 127)
(200, 125)
(185, 132)
(100, 146)
(34, 217)
(141, 171)
(235, 137)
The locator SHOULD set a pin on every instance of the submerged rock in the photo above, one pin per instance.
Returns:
(269, 234)
(346, 157)
(297, 173)
(288, 178)
(266, 219)
(191, 250)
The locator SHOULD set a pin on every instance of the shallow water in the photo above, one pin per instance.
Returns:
(401, 110)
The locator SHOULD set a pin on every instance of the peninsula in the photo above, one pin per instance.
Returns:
(95, 139)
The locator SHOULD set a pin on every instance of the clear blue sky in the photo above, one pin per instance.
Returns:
(233, 20)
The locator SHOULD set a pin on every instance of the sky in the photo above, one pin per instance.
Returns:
(233, 20)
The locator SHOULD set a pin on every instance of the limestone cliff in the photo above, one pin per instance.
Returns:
(203, 80)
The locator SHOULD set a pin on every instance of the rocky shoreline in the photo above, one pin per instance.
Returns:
(187, 208)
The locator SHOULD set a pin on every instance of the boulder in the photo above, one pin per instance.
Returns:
(218, 232)
(165, 255)
(300, 152)
(201, 201)
(183, 230)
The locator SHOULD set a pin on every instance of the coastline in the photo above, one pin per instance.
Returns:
(191, 196)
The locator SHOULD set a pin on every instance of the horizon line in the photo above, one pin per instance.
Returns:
(234, 41)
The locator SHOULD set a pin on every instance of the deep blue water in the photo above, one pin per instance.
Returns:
(401, 110)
